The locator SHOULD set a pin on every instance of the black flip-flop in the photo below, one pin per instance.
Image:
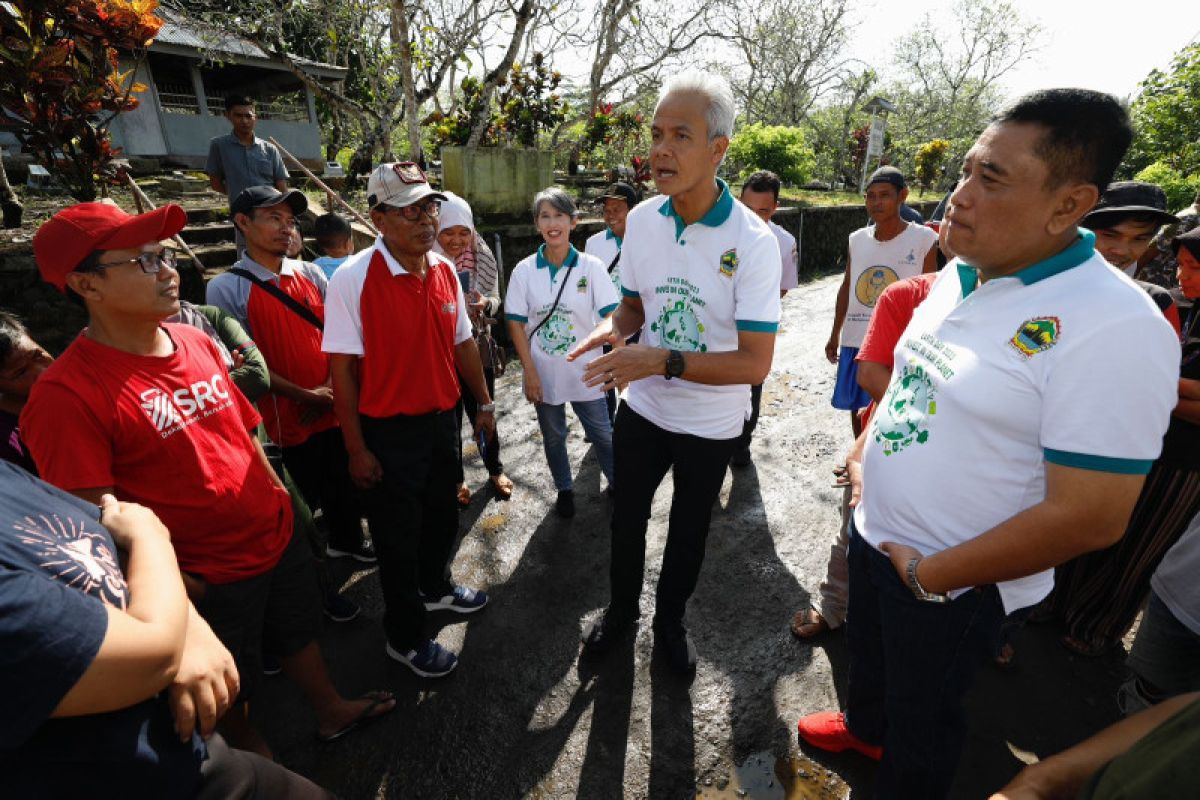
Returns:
(366, 716)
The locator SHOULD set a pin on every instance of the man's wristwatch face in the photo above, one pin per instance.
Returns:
(674, 364)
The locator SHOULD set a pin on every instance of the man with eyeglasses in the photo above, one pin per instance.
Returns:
(298, 411)
(396, 328)
(146, 411)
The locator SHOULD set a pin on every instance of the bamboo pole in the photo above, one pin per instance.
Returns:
(324, 187)
(142, 200)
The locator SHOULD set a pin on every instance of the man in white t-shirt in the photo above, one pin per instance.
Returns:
(887, 250)
(1028, 399)
(760, 194)
(700, 277)
(615, 205)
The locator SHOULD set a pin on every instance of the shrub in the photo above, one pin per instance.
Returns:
(781, 149)
(1181, 190)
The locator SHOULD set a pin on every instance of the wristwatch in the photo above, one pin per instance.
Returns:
(488, 408)
(674, 366)
(918, 590)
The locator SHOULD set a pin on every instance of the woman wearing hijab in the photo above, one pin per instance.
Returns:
(458, 241)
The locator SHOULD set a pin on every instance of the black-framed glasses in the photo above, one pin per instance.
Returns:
(413, 212)
(149, 263)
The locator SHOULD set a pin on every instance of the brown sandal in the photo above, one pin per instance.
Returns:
(503, 486)
(464, 496)
(808, 623)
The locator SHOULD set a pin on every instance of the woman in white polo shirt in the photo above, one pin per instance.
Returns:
(555, 298)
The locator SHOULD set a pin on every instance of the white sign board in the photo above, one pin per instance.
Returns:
(875, 140)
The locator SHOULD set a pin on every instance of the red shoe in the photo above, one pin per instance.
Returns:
(827, 730)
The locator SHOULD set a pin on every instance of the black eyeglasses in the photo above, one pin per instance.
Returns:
(150, 263)
(413, 212)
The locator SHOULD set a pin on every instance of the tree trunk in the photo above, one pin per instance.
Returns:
(9, 204)
(494, 78)
(403, 45)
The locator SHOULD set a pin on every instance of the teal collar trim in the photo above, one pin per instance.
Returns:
(968, 276)
(544, 263)
(712, 218)
(608, 234)
(1080, 251)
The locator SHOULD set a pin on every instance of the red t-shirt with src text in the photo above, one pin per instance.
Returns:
(170, 433)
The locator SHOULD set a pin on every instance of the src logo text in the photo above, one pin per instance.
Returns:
(171, 412)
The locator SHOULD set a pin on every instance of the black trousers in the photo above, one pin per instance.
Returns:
(491, 448)
(413, 514)
(749, 425)
(322, 473)
(229, 774)
(642, 454)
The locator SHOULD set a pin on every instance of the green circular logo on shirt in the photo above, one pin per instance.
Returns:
(679, 328)
(556, 337)
(903, 415)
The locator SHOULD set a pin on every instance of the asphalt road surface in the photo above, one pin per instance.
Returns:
(523, 716)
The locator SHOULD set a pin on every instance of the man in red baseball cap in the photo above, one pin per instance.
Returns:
(146, 411)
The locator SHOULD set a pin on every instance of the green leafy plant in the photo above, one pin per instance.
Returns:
(60, 83)
(1181, 189)
(455, 129)
(529, 102)
(1166, 116)
(779, 148)
(929, 161)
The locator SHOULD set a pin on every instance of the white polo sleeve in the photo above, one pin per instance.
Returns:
(604, 295)
(516, 303)
(343, 303)
(790, 261)
(756, 283)
(1108, 395)
(462, 327)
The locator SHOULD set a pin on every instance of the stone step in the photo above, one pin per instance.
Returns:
(216, 258)
(208, 233)
(202, 215)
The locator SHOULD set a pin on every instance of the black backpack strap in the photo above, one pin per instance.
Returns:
(613, 265)
(301, 310)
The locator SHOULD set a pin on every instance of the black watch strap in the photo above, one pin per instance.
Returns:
(675, 365)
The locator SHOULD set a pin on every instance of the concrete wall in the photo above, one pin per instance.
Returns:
(188, 136)
(498, 180)
(183, 138)
(138, 132)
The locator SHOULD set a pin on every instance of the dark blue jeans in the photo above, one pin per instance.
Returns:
(911, 663)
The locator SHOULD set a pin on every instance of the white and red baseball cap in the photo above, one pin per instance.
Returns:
(398, 184)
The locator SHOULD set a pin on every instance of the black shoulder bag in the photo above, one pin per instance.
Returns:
(294, 305)
(550, 313)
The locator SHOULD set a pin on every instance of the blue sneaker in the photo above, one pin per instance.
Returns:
(462, 600)
(429, 660)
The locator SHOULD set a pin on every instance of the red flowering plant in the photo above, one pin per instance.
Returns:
(60, 79)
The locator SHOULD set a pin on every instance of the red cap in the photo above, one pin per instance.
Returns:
(66, 239)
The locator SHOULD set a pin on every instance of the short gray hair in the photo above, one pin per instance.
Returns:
(558, 200)
(720, 112)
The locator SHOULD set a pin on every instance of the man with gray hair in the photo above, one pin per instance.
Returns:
(700, 272)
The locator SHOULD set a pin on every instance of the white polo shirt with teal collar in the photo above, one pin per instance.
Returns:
(1064, 362)
(700, 285)
(606, 246)
(585, 297)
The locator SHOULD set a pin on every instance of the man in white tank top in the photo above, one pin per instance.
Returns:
(882, 253)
